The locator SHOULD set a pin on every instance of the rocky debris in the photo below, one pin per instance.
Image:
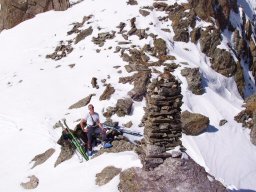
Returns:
(41, 158)
(121, 26)
(144, 12)
(133, 67)
(94, 83)
(32, 183)
(136, 57)
(140, 84)
(106, 175)
(222, 122)
(124, 107)
(71, 65)
(245, 116)
(174, 174)
(107, 92)
(253, 131)
(102, 37)
(182, 19)
(77, 25)
(118, 146)
(81, 103)
(61, 51)
(194, 80)
(83, 34)
(195, 35)
(194, 123)
(132, 2)
(14, 12)
(162, 130)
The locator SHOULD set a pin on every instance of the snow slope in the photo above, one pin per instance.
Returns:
(36, 92)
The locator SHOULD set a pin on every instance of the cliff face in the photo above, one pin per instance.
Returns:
(14, 12)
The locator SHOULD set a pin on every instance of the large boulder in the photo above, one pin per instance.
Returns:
(174, 174)
(14, 12)
(194, 123)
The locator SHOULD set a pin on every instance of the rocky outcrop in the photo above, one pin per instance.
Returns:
(123, 107)
(61, 51)
(194, 80)
(83, 34)
(174, 174)
(14, 12)
(32, 183)
(106, 175)
(81, 103)
(193, 123)
(41, 158)
(218, 9)
(140, 84)
(107, 92)
(162, 130)
(245, 117)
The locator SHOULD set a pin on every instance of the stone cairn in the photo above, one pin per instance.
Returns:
(162, 130)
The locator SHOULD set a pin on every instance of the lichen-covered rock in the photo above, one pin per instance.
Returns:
(173, 175)
(106, 175)
(193, 123)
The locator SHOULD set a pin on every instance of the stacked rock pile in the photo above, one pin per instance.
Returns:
(162, 130)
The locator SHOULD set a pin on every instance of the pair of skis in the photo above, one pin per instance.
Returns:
(74, 140)
(122, 130)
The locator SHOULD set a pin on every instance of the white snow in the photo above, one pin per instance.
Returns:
(35, 94)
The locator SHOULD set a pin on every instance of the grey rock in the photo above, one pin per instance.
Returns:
(106, 175)
(123, 107)
(83, 34)
(223, 122)
(41, 158)
(107, 93)
(175, 174)
(32, 183)
(81, 103)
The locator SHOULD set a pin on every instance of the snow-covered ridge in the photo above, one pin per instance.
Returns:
(36, 92)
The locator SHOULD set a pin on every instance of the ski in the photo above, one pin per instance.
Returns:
(75, 141)
(122, 130)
